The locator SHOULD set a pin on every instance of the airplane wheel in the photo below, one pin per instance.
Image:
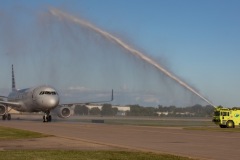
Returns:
(9, 116)
(49, 118)
(230, 124)
(4, 117)
(44, 119)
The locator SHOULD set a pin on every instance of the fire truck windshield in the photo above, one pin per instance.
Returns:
(217, 113)
(224, 113)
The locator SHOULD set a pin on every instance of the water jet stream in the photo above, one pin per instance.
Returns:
(131, 50)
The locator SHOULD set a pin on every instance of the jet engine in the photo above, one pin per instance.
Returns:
(64, 112)
(3, 109)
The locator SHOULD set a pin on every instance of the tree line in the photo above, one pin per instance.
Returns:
(137, 110)
(172, 111)
(107, 110)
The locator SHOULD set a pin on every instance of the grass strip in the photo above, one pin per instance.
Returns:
(84, 155)
(11, 133)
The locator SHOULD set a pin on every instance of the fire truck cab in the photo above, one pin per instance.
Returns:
(226, 117)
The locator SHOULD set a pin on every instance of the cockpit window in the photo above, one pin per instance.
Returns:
(48, 93)
(53, 93)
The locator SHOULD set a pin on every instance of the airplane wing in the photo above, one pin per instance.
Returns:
(86, 103)
(12, 104)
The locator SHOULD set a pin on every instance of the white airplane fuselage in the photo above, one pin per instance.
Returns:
(36, 99)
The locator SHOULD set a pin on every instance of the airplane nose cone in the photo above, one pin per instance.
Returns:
(49, 102)
(53, 102)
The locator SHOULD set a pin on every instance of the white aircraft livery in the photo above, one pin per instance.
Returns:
(36, 99)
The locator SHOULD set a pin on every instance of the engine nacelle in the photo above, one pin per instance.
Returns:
(64, 112)
(3, 109)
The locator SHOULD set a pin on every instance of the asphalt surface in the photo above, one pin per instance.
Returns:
(75, 135)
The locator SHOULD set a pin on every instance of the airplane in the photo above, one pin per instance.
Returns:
(42, 98)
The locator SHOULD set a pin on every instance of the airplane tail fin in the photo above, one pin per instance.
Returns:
(13, 80)
(112, 95)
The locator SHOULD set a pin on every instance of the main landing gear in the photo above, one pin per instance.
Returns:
(6, 117)
(47, 117)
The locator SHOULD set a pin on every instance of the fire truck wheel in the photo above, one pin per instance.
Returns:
(230, 124)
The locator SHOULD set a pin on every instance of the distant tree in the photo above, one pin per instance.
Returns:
(195, 110)
(209, 110)
(150, 111)
(114, 111)
(220, 106)
(95, 111)
(107, 110)
(172, 109)
(235, 108)
(137, 110)
(81, 110)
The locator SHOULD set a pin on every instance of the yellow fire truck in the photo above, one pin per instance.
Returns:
(226, 117)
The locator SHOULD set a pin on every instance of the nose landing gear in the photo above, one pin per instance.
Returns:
(47, 117)
(6, 116)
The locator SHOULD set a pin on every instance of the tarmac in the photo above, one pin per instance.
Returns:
(68, 135)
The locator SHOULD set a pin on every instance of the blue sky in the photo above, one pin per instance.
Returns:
(196, 40)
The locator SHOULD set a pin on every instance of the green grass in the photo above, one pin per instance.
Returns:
(85, 155)
(11, 133)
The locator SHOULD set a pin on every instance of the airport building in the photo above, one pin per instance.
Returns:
(162, 113)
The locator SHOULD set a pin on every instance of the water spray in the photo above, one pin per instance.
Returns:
(63, 15)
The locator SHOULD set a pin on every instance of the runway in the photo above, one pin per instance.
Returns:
(190, 143)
